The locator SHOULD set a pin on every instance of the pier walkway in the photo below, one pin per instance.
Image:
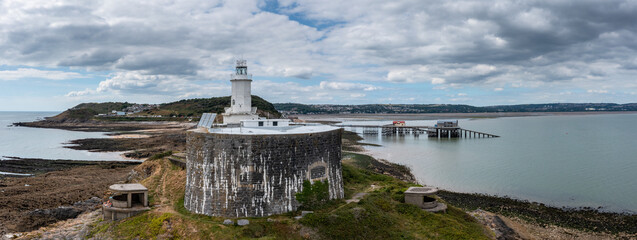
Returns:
(432, 131)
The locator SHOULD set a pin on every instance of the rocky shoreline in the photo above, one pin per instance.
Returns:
(59, 190)
(35, 166)
(101, 126)
(135, 148)
(587, 219)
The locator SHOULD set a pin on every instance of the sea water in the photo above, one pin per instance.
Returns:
(26, 142)
(564, 161)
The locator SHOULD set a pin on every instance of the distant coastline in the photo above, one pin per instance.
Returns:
(297, 108)
(433, 116)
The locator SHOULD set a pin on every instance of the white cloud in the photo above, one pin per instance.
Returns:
(399, 76)
(130, 82)
(437, 80)
(498, 89)
(596, 91)
(495, 40)
(80, 93)
(465, 100)
(301, 72)
(25, 73)
(347, 86)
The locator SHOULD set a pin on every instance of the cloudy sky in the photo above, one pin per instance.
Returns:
(56, 54)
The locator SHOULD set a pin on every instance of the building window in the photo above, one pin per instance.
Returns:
(260, 124)
(275, 123)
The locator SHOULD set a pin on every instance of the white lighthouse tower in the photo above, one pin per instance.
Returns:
(241, 100)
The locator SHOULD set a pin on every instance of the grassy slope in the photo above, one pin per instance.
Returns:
(379, 215)
(86, 111)
(383, 214)
(105, 107)
(81, 114)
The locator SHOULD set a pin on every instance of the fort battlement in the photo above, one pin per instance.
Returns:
(254, 174)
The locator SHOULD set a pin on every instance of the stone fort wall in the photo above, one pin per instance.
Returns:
(234, 175)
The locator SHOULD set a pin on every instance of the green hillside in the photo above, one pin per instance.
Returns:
(195, 107)
(105, 107)
(169, 111)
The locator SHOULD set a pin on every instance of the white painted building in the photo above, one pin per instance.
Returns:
(266, 123)
(241, 100)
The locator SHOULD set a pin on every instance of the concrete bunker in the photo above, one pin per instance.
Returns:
(423, 198)
(127, 200)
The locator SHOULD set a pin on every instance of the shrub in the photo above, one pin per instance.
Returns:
(313, 195)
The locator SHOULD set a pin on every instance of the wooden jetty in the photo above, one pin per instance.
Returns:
(432, 131)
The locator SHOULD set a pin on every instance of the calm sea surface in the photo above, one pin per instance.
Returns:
(573, 161)
(43, 143)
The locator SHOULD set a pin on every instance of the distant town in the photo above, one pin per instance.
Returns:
(131, 111)
(296, 108)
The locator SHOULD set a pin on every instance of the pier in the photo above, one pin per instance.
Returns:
(431, 131)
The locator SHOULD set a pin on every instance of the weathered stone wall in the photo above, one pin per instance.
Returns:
(258, 175)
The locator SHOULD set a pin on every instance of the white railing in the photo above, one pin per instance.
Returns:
(240, 76)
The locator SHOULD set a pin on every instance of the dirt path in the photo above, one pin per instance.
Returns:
(356, 198)
(166, 205)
